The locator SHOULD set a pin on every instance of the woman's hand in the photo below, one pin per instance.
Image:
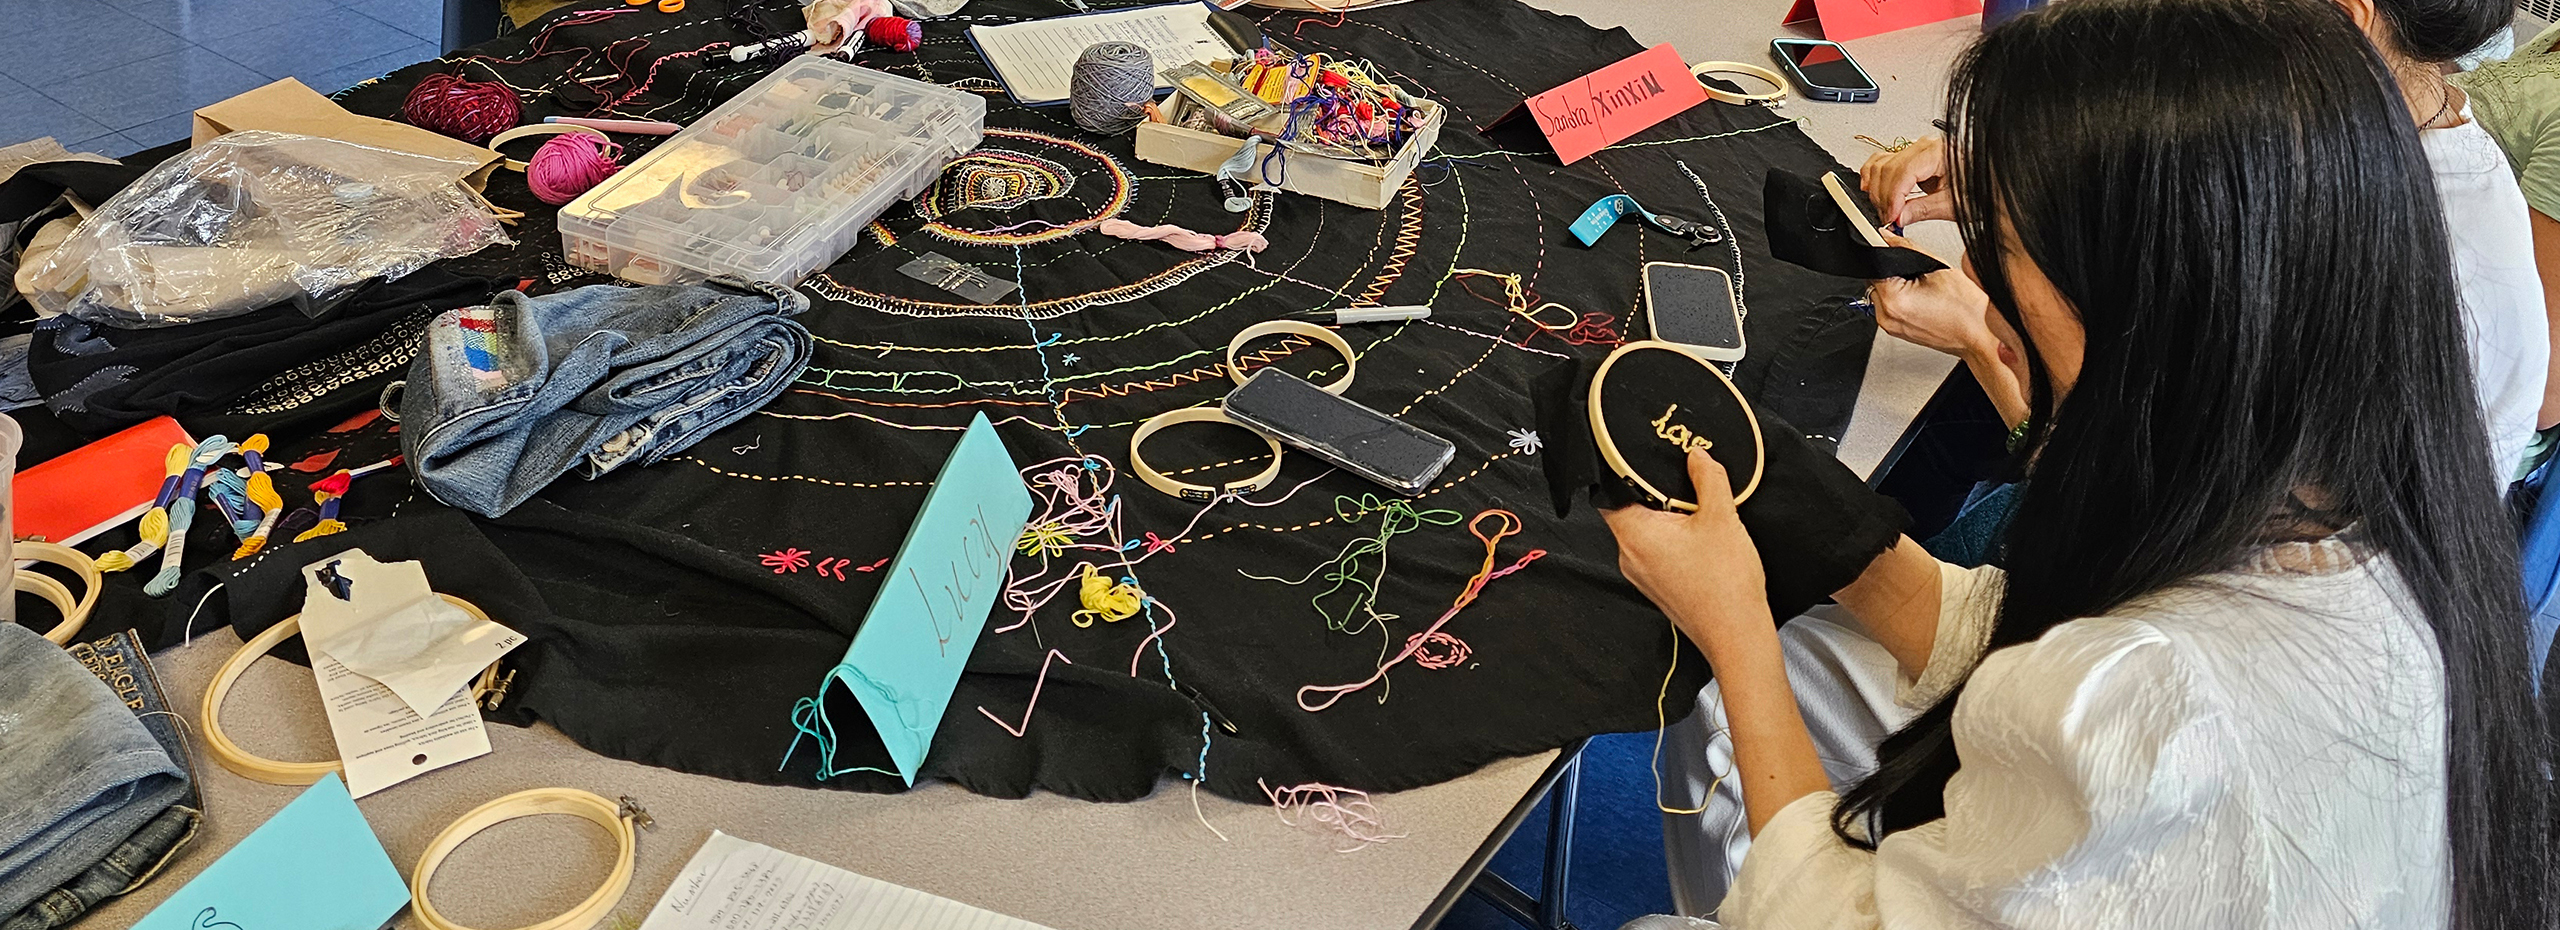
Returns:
(1942, 310)
(1890, 177)
(1700, 568)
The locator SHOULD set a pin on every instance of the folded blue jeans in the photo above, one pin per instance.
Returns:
(507, 397)
(79, 774)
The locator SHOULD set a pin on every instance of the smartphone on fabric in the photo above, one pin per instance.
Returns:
(1355, 438)
(1824, 70)
(1693, 306)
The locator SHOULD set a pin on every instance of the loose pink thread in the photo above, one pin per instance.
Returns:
(1346, 812)
(1035, 696)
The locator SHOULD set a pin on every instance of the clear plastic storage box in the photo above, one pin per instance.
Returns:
(778, 182)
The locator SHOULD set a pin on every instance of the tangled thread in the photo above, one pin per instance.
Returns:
(1347, 813)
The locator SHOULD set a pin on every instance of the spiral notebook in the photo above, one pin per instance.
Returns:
(1036, 60)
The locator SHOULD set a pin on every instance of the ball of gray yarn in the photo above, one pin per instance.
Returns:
(1110, 80)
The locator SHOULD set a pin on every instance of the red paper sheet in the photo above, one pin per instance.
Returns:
(1843, 20)
(96, 486)
(1586, 114)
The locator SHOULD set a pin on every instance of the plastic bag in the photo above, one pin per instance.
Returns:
(252, 219)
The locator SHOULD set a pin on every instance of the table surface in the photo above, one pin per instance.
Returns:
(1070, 864)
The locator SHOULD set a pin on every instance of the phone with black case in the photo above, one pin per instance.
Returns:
(1362, 441)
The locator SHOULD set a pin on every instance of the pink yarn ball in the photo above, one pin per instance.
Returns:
(569, 164)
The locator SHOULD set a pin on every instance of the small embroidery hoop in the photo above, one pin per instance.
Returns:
(1618, 462)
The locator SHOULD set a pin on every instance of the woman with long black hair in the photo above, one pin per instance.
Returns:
(2256, 657)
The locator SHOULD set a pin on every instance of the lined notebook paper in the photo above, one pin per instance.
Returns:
(733, 884)
(1036, 60)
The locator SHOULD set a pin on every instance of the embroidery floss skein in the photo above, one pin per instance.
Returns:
(182, 514)
(1110, 80)
(569, 164)
(468, 110)
(1184, 239)
(155, 522)
(262, 492)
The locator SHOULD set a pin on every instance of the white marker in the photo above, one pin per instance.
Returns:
(1396, 314)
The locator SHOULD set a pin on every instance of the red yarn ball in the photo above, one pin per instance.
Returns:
(468, 110)
(897, 32)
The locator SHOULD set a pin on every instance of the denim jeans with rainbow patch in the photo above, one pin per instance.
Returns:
(507, 397)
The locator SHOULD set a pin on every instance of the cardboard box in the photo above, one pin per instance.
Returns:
(288, 106)
(1359, 184)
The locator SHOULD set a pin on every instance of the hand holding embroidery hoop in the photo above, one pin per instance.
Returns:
(1651, 403)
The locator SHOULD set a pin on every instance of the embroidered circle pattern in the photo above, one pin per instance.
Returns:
(1011, 176)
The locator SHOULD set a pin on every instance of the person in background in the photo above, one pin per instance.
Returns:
(2517, 101)
(2255, 658)
(2506, 318)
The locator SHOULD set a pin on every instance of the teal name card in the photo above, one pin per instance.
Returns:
(315, 865)
(907, 657)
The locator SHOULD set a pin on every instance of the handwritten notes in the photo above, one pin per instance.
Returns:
(1588, 113)
(315, 863)
(907, 657)
(1843, 20)
(733, 884)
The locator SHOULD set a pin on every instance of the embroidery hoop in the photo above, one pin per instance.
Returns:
(1198, 492)
(1618, 462)
(75, 613)
(618, 818)
(259, 768)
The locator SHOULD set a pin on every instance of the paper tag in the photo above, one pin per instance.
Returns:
(382, 620)
(381, 742)
(1588, 113)
(977, 286)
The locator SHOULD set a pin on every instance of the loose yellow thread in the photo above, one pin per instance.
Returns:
(1047, 539)
(1106, 600)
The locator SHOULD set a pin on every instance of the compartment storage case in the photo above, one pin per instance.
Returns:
(776, 183)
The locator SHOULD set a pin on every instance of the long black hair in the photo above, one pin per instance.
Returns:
(2230, 195)
(2435, 31)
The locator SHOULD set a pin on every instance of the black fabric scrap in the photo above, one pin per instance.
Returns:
(1806, 228)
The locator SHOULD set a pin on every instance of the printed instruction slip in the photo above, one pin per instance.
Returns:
(733, 884)
(1037, 59)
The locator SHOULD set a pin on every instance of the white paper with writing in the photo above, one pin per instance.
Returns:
(390, 627)
(1036, 59)
(381, 742)
(733, 884)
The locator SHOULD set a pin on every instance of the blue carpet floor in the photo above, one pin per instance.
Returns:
(1617, 847)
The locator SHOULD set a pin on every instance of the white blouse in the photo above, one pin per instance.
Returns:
(2256, 749)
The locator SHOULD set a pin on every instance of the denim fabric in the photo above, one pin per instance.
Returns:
(120, 663)
(79, 774)
(132, 863)
(509, 396)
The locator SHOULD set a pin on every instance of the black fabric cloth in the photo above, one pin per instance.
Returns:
(1805, 227)
(677, 612)
(274, 369)
(1815, 523)
(37, 186)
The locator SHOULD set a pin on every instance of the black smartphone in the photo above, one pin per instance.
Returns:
(1824, 70)
(1693, 306)
(1362, 441)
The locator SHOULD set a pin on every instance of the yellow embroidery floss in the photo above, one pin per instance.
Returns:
(155, 522)
(1107, 600)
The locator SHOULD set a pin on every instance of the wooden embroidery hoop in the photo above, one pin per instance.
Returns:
(1618, 462)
